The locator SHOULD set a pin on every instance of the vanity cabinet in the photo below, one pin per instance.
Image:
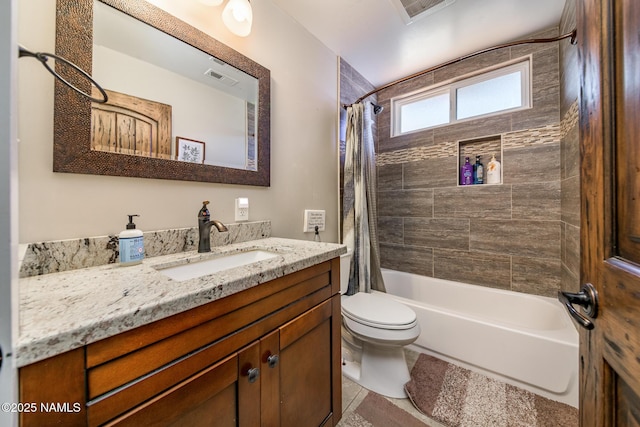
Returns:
(266, 356)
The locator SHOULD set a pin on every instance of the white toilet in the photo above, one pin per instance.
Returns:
(374, 331)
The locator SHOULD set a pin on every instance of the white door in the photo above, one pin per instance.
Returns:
(8, 207)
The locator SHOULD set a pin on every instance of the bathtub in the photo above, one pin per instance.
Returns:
(524, 340)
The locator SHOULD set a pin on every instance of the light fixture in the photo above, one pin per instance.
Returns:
(238, 17)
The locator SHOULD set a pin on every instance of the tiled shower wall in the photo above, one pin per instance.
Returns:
(570, 154)
(504, 236)
(522, 235)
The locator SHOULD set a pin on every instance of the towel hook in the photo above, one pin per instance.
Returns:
(44, 57)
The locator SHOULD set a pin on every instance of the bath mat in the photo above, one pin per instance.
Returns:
(376, 411)
(457, 397)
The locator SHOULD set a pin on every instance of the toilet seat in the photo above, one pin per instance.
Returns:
(378, 312)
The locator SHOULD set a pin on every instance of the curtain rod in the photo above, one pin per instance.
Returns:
(571, 35)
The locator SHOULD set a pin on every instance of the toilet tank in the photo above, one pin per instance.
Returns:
(345, 267)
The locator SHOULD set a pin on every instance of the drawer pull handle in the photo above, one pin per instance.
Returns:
(273, 360)
(253, 374)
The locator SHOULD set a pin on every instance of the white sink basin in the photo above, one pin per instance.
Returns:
(205, 267)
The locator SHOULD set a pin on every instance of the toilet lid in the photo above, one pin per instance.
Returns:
(377, 311)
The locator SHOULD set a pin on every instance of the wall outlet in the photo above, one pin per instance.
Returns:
(313, 218)
(242, 209)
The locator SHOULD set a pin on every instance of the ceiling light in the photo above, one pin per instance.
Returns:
(211, 2)
(238, 17)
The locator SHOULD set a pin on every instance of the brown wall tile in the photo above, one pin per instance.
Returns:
(389, 177)
(431, 173)
(476, 201)
(473, 128)
(387, 143)
(534, 275)
(537, 201)
(572, 249)
(571, 201)
(538, 239)
(569, 68)
(570, 204)
(546, 73)
(545, 110)
(390, 230)
(538, 163)
(406, 87)
(471, 267)
(569, 282)
(472, 65)
(437, 233)
(406, 258)
(571, 153)
(406, 203)
(545, 85)
(352, 84)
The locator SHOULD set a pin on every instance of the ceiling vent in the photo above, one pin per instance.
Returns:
(221, 77)
(412, 10)
(218, 61)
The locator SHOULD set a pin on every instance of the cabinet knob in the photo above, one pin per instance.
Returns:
(273, 360)
(253, 374)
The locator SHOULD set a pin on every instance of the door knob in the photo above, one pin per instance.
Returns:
(586, 298)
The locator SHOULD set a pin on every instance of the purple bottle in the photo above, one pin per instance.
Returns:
(466, 173)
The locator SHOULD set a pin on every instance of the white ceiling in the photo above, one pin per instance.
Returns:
(372, 36)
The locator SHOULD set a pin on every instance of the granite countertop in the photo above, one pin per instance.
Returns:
(63, 311)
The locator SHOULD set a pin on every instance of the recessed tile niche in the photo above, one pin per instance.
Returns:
(485, 147)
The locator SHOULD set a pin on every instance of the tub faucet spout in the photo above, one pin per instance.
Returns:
(204, 228)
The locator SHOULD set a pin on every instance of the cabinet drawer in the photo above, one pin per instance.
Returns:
(115, 373)
(207, 398)
(127, 342)
(108, 405)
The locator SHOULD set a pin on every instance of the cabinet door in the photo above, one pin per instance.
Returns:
(249, 384)
(270, 383)
(306, 359)
(205, 399)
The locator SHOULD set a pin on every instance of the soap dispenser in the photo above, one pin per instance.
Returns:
(131, 244)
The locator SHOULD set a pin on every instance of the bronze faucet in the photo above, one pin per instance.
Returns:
(204, 228)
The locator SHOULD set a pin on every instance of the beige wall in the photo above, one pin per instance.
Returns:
(304, 148)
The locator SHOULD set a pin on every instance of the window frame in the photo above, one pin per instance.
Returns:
(523, 64)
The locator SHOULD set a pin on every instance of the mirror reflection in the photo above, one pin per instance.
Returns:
(167, 99)
(194, 124)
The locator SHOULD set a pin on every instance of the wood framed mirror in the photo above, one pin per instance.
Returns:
(74, 151)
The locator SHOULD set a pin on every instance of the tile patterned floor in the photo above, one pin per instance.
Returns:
(353, 394)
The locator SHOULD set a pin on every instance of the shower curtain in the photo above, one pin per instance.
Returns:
(360, 216)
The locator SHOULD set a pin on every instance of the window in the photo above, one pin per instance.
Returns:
(428, 111)
(497, 91)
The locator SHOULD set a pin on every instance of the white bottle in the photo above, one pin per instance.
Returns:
(131, 244)
(493, 171)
